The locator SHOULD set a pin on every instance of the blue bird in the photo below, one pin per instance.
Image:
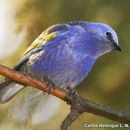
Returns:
(65, 54)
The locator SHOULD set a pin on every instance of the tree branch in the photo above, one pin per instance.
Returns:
(78, 106)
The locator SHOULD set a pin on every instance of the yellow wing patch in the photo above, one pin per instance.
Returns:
(40, 41)
(48, 36)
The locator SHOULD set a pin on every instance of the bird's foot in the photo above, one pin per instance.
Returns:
(50, 84)
(72, 94)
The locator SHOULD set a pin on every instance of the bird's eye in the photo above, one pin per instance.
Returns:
(109, 35)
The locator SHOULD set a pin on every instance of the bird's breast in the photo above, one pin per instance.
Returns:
(60, 66)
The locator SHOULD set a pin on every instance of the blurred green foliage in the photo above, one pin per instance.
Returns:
(108, 83)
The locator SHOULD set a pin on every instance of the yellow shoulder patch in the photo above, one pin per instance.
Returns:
(41, 40)
(48, 36)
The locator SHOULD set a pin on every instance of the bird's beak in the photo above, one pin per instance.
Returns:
(116, 47)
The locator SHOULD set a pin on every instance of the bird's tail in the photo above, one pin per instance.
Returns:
(8, 89)
(34, 106)
(32, 103)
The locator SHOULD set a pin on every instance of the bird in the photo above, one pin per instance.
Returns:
(64, 54)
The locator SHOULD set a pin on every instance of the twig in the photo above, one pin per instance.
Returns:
(78, 106)
(26, 79)
(71, 117)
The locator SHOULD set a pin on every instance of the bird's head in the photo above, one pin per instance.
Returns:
(104, 38)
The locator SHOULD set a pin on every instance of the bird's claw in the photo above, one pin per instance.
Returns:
(73, 94)
(50, 84)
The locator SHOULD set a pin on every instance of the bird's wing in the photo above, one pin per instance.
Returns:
(41, 41)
